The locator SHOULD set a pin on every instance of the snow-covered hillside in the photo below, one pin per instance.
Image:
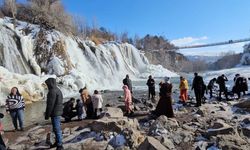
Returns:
(29, 49)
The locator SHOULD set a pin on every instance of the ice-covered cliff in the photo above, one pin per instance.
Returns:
(29, 49)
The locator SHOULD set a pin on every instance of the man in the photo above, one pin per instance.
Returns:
(128, 82)
(210, 87)
(54, 110)
(197, 86)
(151, 88)
(221, 80)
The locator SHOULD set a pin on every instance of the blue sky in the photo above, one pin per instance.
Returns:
(184, 22)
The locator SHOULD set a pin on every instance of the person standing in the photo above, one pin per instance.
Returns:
(164, 106)
(15, 106)
(210, 87)
(128, 82)
(221, 80)
(183, 90)
(127, 100)
(197, 86)
(97, 102)
(151, 88)
(54, 110)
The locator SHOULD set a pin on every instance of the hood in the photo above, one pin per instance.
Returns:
(51, 83)
(125, 87)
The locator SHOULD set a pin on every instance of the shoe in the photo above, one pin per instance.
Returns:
(53, 145)
(59, 148)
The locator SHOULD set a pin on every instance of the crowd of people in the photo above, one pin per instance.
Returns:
(90, 106)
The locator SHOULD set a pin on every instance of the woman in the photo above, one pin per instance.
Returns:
(183, 90)
(127, 100)
(15, 106)
(164, 106)
(86, 98)
(97, 102)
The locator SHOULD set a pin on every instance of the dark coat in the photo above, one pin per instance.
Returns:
(68, 109)
(211, 84)
(54, 99)
(164, 106)
(222, 82)
(128, 82)
(198, 83)
(151, 83)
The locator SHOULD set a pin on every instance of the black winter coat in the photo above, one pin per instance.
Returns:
(198, 83)
(54, 99)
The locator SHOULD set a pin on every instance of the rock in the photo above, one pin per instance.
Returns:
(181, 136)
(137, 108)
(113, 124)
(112, 112)
(167, 143)
(88, 144)
(163, 121)
(219, 127)
(151, 143)
(234, 142)
(244, 105)
(133, 137)
(246, 131)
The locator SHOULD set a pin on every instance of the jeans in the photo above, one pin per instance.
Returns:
(17, 115)
(56, 123)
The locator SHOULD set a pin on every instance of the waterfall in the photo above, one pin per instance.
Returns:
(29, 49)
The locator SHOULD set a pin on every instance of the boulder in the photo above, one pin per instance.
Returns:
(244, 105)
(235, 142)
(113, 124)
(151, 143)
(164, 123)
(112, 112)
(88, 144)
(219, 127)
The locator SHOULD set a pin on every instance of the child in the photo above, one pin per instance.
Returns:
(128, 100)
(79, 109)
(97, 102)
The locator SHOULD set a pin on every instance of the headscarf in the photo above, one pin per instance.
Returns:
(167, 79)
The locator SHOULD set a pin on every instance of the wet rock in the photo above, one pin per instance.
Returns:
(151, 143)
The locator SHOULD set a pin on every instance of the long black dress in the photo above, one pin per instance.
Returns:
(164, 106)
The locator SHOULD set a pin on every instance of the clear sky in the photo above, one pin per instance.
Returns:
(184, 22)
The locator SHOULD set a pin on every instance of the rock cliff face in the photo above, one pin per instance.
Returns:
(168, 59)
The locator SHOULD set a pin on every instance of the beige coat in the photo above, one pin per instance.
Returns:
(97, 101)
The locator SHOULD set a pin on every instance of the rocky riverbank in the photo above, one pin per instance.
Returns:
(215, 125)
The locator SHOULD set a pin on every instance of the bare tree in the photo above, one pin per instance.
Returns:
(9, 7)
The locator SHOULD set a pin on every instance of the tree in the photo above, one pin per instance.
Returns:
(10, 9)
